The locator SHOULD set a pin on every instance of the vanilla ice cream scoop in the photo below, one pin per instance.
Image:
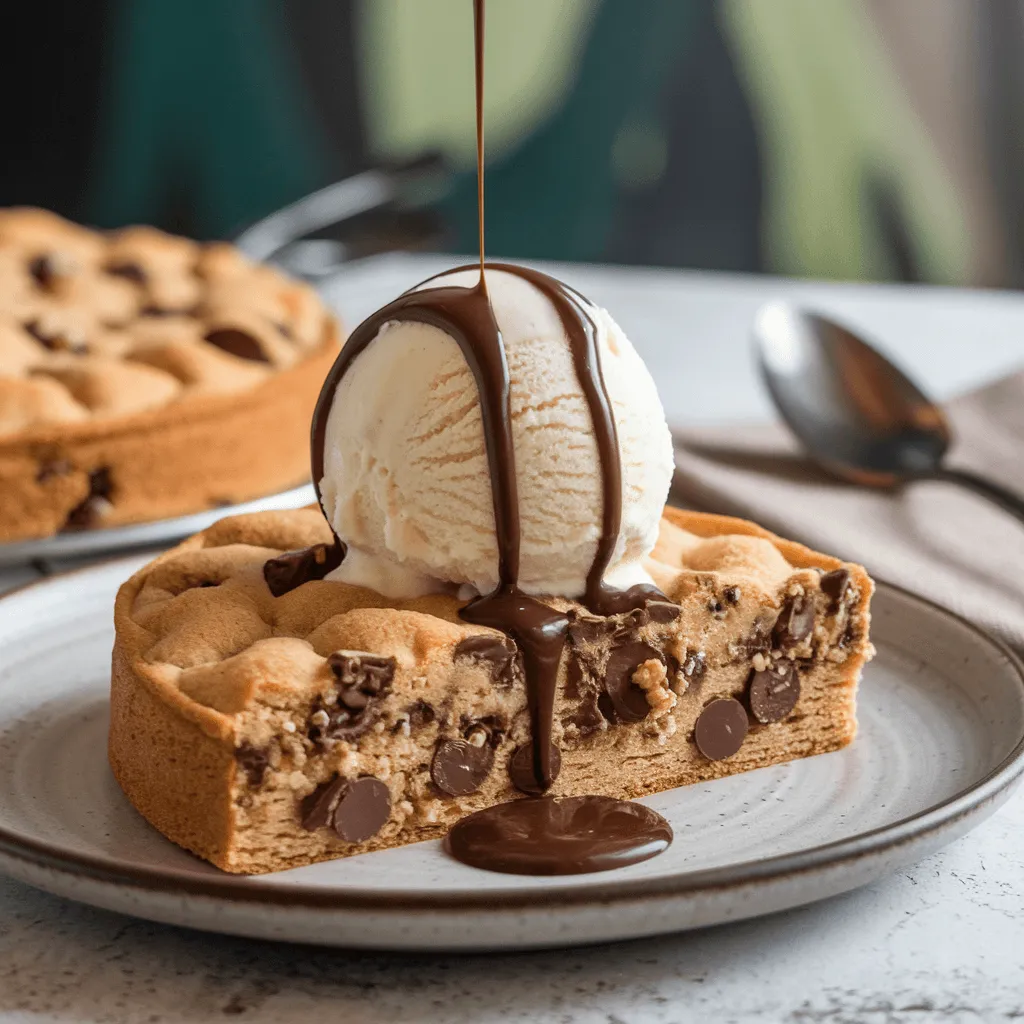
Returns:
(406, 481)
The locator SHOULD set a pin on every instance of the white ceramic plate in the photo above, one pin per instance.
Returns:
(940, 747)
(149, 535)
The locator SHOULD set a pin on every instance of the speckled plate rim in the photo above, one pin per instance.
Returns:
(149, 534)
(950, 818)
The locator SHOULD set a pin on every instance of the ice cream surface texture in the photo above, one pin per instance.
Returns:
(406, 482)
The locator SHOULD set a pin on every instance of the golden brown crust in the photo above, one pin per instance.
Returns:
(212, 670)
(123, 396)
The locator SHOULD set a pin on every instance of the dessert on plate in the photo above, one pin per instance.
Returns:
(493, 602)
(144, 376)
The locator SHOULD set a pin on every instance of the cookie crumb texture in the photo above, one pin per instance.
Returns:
(144, 376)
(266, 732)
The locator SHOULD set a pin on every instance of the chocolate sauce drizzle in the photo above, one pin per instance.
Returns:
(465, 314)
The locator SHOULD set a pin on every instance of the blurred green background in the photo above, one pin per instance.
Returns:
(855, 139)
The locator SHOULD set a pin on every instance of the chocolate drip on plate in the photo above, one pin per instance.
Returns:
(559, 836)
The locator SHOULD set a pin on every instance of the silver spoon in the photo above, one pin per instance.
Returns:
(855, 412)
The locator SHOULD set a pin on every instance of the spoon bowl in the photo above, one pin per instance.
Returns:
(856, 413)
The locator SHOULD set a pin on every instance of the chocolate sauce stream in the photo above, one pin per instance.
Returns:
(478, 46)
(466, 315)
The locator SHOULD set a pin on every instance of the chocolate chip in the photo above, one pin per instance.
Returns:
(129, 270)
(57, 339)
(361, 678)
(716, 607)
(290, 570)
(663, 611)
(834, 585)
(795, 623)
(317, 809)
(773, 693)
(721, 728)
(95, 507)
(356, 809)
(628, 701)
(363, 809)
(460, 767)
(498, 653)
(48, 269)
(695, 666)
(237, 343)
(254, 761)
(520, 768)
(53, 468)
(731, 594)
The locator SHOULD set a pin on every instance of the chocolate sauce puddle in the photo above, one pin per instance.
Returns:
(559, 836)
(565, 835)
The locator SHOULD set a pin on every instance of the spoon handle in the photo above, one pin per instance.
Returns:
(1010, 502)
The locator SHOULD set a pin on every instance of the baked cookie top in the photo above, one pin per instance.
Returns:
(98, 326)
(201, 626)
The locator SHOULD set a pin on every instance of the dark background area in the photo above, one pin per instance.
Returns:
(812, 137)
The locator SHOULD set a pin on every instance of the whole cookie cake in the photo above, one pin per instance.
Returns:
(144, 376)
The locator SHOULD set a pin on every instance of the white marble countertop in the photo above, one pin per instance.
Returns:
(939, 941)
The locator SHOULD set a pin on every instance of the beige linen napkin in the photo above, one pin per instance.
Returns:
(936, 539)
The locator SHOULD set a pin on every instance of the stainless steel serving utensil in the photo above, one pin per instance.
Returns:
(857, 414)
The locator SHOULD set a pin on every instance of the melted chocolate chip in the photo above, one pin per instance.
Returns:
(715, 606)
(731, 595)
(360, 679)
(721, 728)
(628, 701)
(773, 693)
(795, 623)
(52, 469)
(159, 311)
(254, 761)
(57, 339)
(521, 768)
(237, 343)
(356, 809)
(459, 767)
(559, 836)
(834, 585)
(290, 570)
(129, 270)
(587, 630)
(93, 509)
(498, 653)
(371, 674)
(48, 269)
(663, 611)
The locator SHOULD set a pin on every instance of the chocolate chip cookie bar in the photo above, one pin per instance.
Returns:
(264, 732)
(144, 376)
